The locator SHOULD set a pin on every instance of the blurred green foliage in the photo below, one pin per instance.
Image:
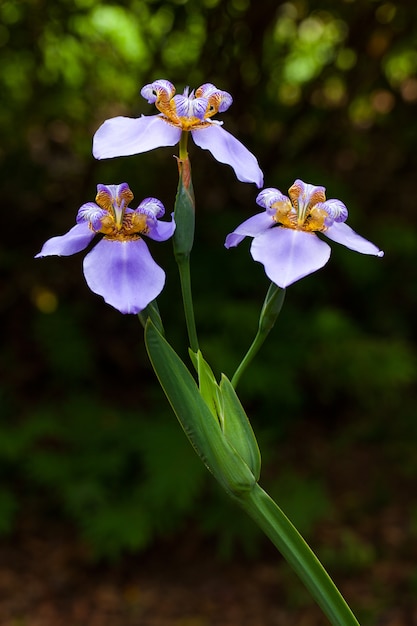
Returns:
(322, 91)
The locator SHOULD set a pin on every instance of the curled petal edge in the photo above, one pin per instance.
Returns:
(267, 197)
(161, 231)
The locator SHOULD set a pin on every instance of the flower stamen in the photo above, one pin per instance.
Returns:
(112, 217)
(191, 110)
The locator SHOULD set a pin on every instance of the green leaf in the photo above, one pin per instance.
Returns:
(226, 407)
(237, 428)
(195, 416)
(209, 388)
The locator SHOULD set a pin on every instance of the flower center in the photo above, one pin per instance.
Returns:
(119, 223)
(189, 111)
(305, 208)
(310, 219)
(131, 227)
(186, 112)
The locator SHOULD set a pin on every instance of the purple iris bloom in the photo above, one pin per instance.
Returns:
(285, 239)
(119, 267)
(189, 112)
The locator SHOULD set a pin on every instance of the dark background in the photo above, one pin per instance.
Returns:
(90, 455)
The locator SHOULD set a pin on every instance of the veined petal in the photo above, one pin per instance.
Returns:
(251, 227)
(152, 207)
(344, 234)
(288, 255)
(123, 136)
(221, 100)
(190, 107)
(124, 274)
(107, 195)
(306, 194)
(73, 241)
(269, 196)
(335, 209)
(92, 213)
(158, 89)
(227, 149)
(161, 231)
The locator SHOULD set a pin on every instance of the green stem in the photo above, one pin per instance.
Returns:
(183, 150)
(232, 462)
(185, 280)
(269, 517)
(271, 308)
(183, 238)
(254, 347)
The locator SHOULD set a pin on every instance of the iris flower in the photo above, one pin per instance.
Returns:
(119, 267)
(189, 112)
(285, 239)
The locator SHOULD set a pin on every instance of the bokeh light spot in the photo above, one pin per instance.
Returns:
(45, 300)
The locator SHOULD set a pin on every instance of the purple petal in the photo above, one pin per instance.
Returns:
(190, 107)
(335, 209)
(124, 274)
(92, 213)
(227, 149)
(222, 99)
(342, 233)
(114, 192)
(73, 241)
(158, 88)
(288, 255)
(161, 231)
(269, 196)
(123, 136)
(152, 207)
(249, 228)
(306, 193)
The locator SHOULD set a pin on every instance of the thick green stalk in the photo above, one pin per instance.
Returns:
(269, 517)
(224, 441)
